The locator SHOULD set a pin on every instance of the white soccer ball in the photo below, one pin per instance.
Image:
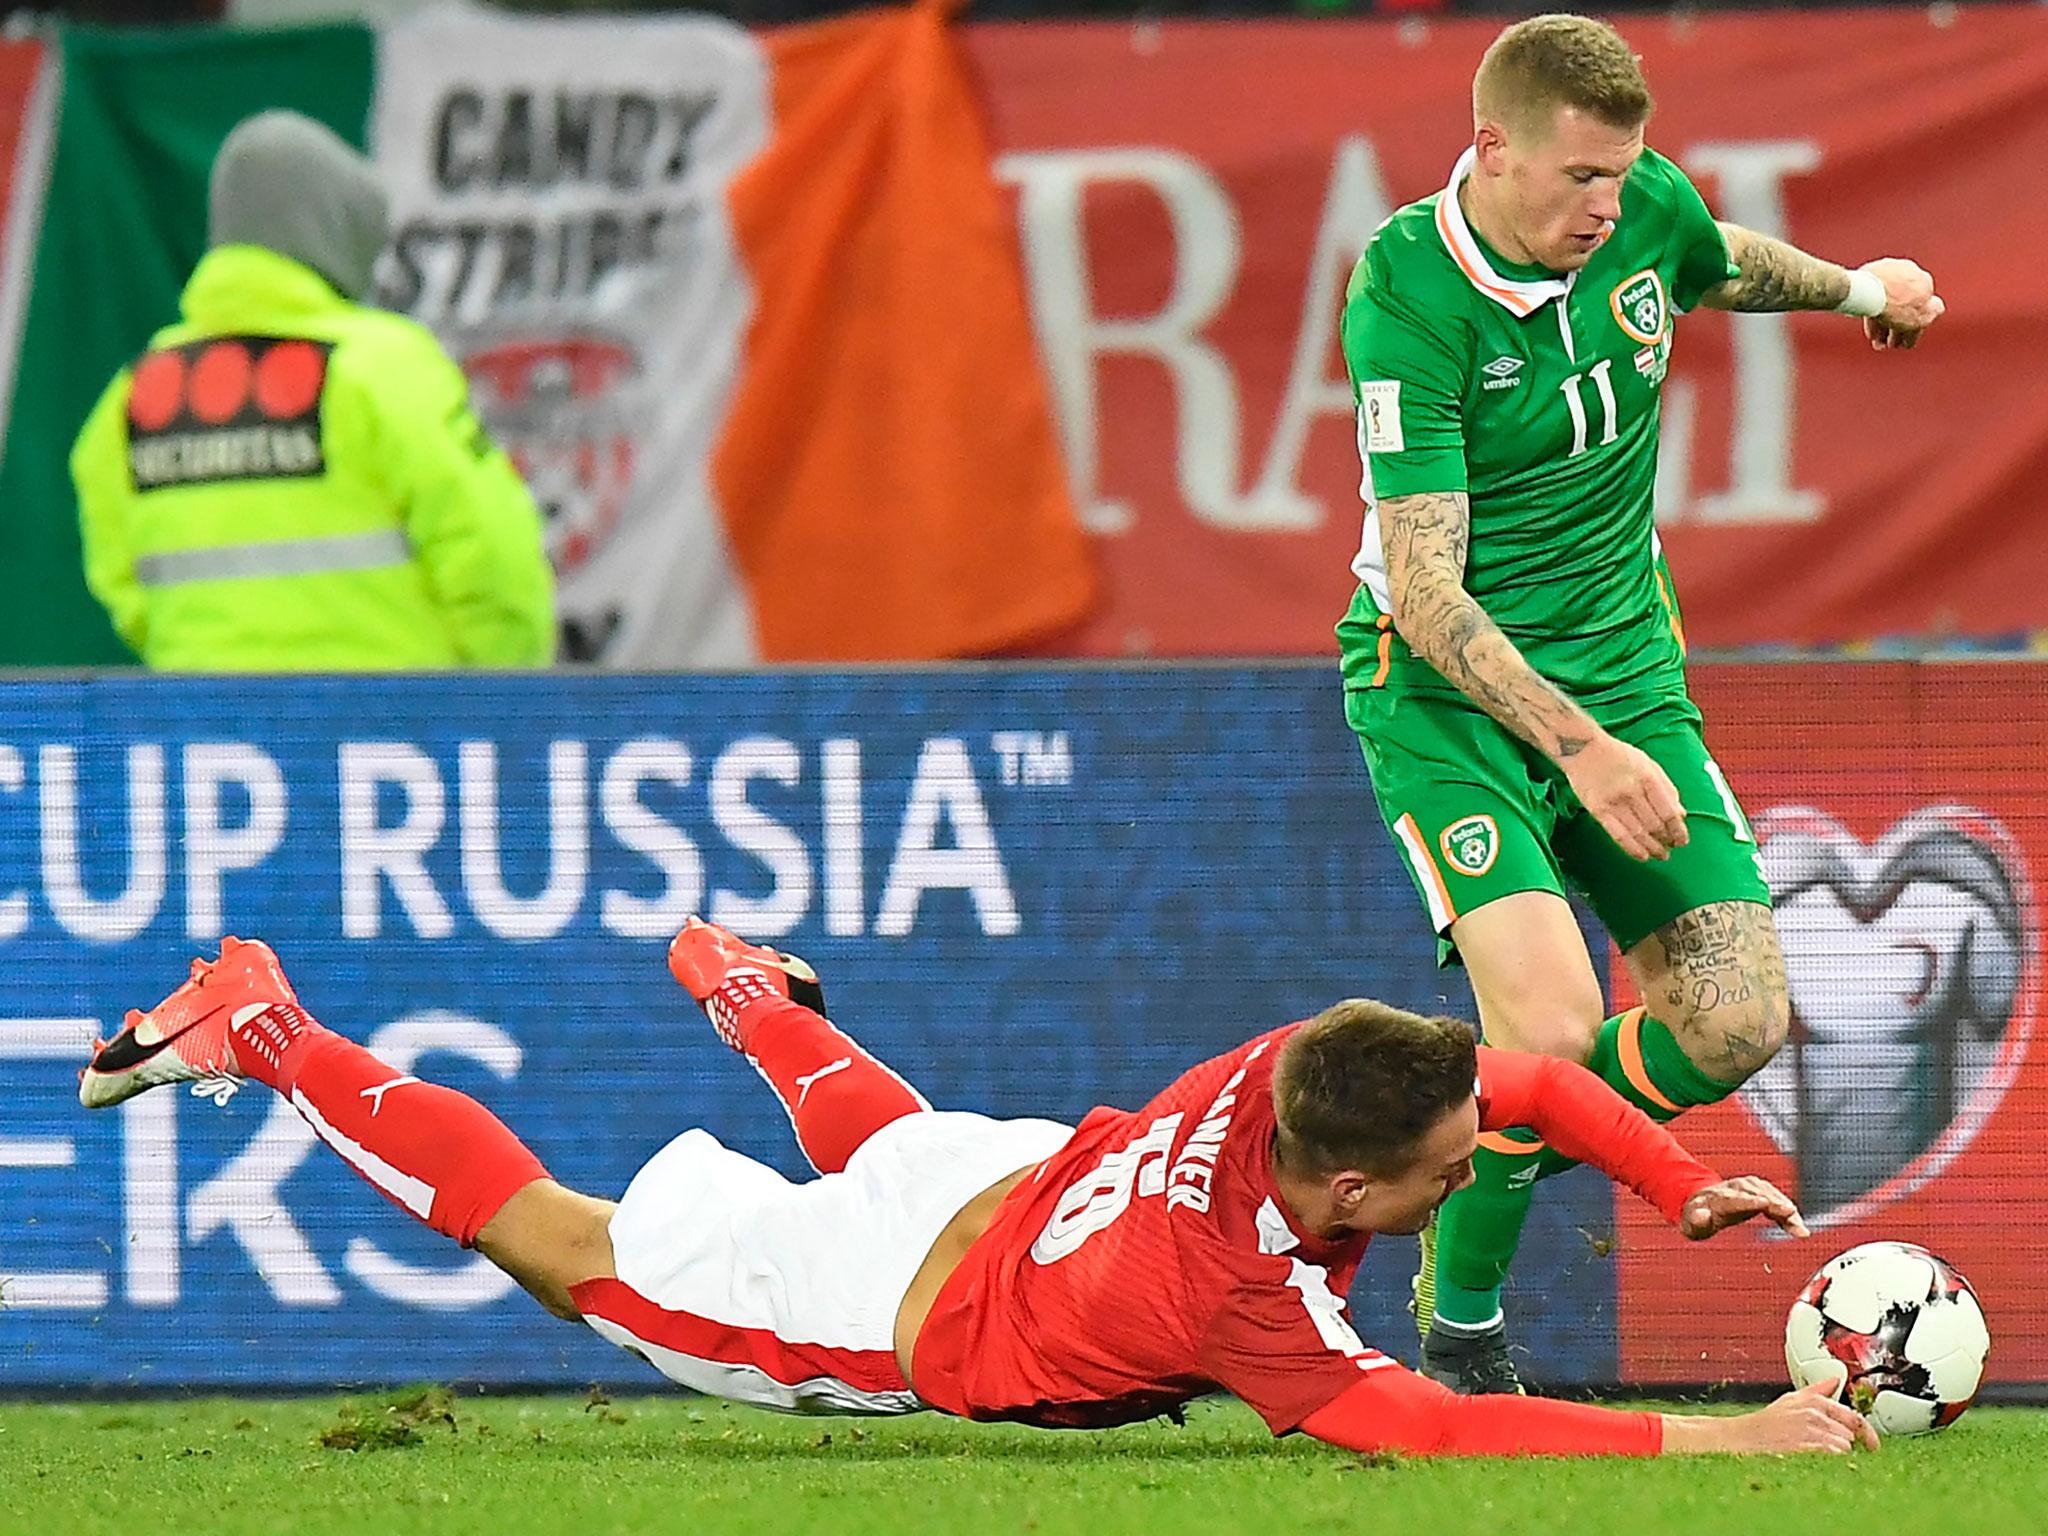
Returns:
(1896, 1331)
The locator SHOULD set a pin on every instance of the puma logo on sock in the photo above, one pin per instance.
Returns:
(803, 1084)
(376, 1095)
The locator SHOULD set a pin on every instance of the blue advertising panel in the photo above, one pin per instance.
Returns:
(1030, 891)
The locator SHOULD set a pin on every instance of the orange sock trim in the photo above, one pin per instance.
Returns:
(1628, 1046)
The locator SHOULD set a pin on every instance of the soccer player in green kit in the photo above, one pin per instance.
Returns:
(1513, 659)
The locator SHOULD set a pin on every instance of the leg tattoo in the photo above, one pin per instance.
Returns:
(1716, 977)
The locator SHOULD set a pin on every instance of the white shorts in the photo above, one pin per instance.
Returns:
(736, 1282)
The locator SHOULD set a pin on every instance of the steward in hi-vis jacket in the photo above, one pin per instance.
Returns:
(288, 480)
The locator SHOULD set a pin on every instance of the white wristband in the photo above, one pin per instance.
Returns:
(1866, 295)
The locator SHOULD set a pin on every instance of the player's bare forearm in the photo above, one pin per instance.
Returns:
(1894, 297)
(1775, 277)
(1426, 538)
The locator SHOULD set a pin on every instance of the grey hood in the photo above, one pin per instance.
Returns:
(290, 184)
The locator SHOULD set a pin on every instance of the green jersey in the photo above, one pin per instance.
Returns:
(1537, 395)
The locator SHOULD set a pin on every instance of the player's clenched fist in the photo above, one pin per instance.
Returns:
(1910, 303)
(1629, 795)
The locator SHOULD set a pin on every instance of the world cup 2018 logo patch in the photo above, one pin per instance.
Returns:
(1640, 308)
(1470, 844)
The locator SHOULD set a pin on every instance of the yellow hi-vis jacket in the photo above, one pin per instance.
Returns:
(287, 481)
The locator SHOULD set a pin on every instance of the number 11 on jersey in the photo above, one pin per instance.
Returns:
(1570, 388)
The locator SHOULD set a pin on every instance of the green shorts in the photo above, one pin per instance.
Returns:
(1478, 815)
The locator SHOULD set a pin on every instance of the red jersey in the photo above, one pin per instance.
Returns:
(1152, 1259)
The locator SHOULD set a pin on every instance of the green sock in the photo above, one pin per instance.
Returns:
(1480, 1227)
(1639, 1058)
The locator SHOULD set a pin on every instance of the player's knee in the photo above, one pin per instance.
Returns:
(552, 1296)
(1742, 1035)
(1775, 1025)
(1732, 1033)
(550, 1240)
(1559, 1034)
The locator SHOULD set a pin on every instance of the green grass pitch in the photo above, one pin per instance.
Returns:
(533, 1466)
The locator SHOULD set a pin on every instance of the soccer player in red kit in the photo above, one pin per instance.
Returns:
(992, 1269)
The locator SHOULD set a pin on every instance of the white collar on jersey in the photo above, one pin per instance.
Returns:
(1519, 297)
(1276, 1235)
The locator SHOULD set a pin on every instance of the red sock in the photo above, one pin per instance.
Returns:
(437, 1153)
(837, 1095)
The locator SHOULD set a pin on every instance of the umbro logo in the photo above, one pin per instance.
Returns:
(1501, 373)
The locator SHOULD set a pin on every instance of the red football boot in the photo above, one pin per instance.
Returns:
(184, 1038)
(705, 958)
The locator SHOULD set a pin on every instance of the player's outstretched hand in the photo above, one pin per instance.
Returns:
(1629, 795)
(1911, 304)
(1737, 1200)
(1808, 1419)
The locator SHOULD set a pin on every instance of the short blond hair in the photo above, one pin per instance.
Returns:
(1558, 60)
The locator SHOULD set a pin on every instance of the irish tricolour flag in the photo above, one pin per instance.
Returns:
(744, 306)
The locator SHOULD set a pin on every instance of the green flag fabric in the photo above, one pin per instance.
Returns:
(139, 117)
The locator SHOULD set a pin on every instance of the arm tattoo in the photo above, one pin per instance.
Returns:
(1775, 276)
(1426, 538)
